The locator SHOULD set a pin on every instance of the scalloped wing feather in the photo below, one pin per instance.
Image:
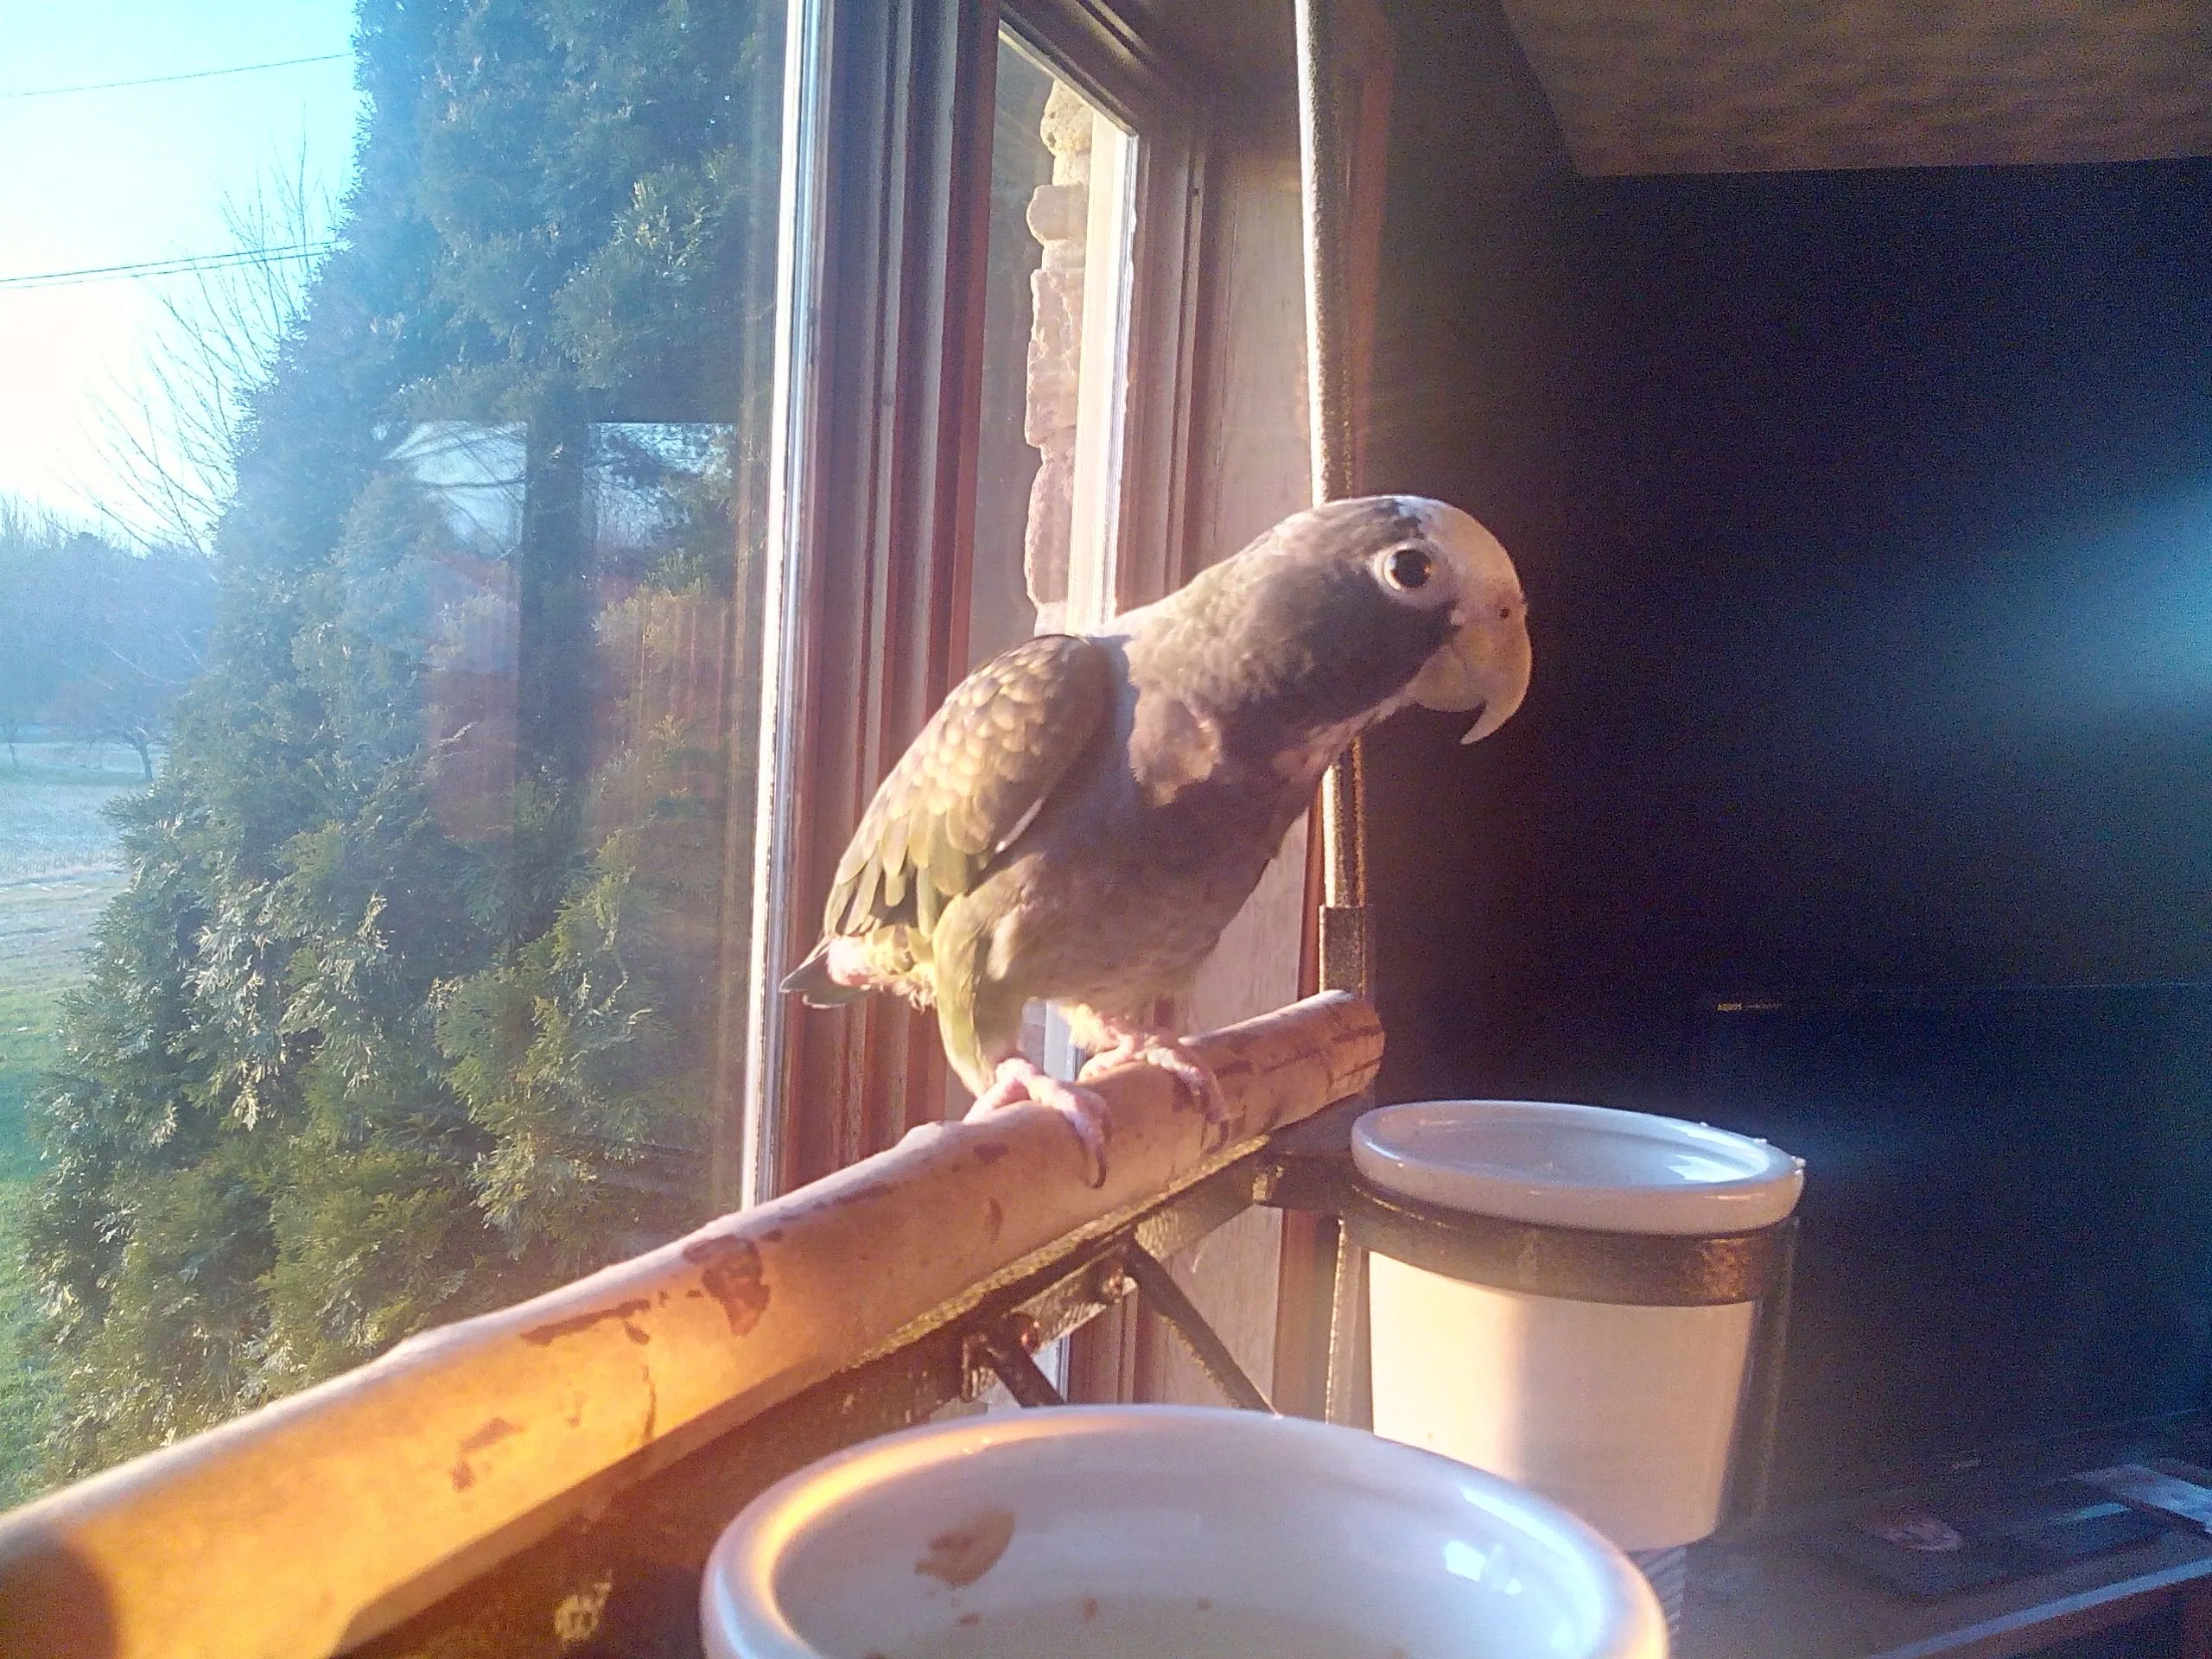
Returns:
(971, 783)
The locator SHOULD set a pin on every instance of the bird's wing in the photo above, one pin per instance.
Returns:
(971, 783)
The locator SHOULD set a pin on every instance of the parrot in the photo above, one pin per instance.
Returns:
(1086, 812)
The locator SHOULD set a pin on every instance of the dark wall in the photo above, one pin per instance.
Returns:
(1866, 519)
(1476, 339)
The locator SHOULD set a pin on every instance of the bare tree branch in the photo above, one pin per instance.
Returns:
(173, 439)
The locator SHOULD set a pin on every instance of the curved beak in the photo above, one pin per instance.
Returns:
(1482, 667)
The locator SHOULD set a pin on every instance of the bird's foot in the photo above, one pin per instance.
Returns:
(1020, 1078)
(1171, 1054)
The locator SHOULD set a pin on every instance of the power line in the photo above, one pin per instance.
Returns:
(160, 80)
(182, 266)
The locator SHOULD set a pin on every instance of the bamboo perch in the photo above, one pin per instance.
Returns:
(322, 1520)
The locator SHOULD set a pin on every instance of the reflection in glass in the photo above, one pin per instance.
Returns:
(409, 998)
(1055, 351)
(457, 614)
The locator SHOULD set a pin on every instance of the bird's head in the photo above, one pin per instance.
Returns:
(1440, 560)
(1344, 612)
(1386, 600)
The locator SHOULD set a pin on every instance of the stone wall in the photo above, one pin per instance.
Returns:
(1058, 217)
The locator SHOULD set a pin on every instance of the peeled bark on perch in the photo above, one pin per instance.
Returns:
(324, 1519)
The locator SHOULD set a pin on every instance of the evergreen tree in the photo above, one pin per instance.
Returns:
(407, 1009)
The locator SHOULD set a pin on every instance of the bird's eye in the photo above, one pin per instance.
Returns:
(1407, 568)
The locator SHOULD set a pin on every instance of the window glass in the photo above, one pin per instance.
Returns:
(1055, 355)
(1055, 384)
(379, 574)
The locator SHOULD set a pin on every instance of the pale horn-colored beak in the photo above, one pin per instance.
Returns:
(1484, 666)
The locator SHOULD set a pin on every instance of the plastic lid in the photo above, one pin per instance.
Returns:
(1586, 1166)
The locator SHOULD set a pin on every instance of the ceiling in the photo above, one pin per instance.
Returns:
(1766, 85)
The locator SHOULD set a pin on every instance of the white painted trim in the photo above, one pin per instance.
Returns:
(791, 491)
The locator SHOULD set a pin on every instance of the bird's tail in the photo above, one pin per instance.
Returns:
(810, 981)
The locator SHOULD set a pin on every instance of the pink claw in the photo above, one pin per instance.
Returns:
(1018, 1079)
(1171, 1054)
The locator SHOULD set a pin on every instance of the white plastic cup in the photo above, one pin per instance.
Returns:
(1126, 1532)
(1624, 1414)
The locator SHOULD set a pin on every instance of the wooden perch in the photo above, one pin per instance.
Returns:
(318, 1521)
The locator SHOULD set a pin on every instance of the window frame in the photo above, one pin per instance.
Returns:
(873, 523)
(873, 502)
(869, 531)
(1141, 85)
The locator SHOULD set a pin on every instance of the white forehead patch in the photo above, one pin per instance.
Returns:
(1478, 557)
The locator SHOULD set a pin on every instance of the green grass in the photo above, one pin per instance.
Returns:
(57, 872)
(50, 802)
(27, 1022)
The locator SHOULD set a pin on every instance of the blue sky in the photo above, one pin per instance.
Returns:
(140, 173)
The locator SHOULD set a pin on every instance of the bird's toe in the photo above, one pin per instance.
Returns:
(1125, 1049)
(1181, 1062)
(1018, 1080)
(1170, 1053)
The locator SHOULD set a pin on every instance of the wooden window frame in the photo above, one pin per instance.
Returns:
(880, 371)
(879, 397)
(878, 519)
(1143, 87)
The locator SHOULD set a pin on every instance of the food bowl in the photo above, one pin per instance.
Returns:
(1129, 1530)
(1626, 1415)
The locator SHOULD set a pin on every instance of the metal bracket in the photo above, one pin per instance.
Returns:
(1169, 1299)
(1348, 1389)
(1001, 1346)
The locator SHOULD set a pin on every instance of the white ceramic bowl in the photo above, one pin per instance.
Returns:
(1567, 1166)
(1142, 1530)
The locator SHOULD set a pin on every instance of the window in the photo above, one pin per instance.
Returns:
(1056, 316)
(407, 627)
(526, 558)
(915, 517)
(916, 459)
(1055, 372)
(553, 521)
